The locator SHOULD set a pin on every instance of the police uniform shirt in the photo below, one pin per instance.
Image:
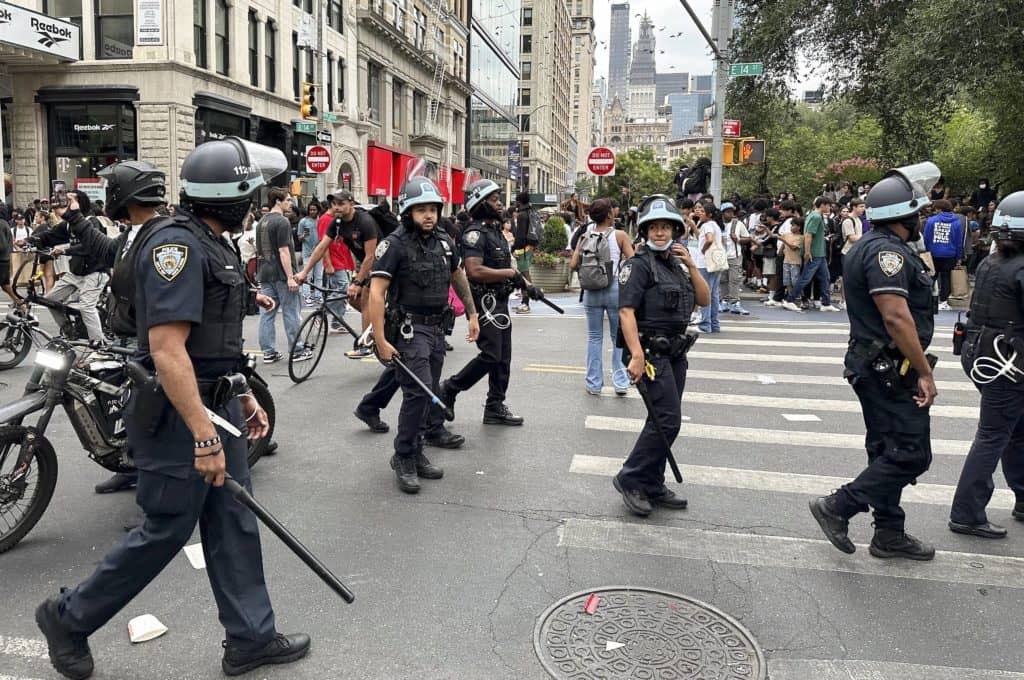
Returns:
(882, 264)
(397, 259)
(662, 300)
(355, 233)
(487, 243)
(1000, 284)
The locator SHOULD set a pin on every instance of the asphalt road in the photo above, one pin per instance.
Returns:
(450, 583)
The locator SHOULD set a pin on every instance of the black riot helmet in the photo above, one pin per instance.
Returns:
(133, 183)
(220, 178)
(902, 193)
(1008, 219)
(659, 207)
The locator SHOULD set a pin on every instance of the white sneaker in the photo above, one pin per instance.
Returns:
(944, 307)
(830, 308)
(772, 303)
(791, 306)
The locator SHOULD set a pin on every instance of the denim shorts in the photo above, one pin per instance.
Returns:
(790, 274)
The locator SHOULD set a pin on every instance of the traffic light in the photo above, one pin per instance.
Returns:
(752, 152)
(307, 107)
(728, 153)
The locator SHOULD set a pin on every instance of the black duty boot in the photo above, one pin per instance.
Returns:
(373, 422)
(405, 472)
(282, 649)
(119, 482)
(446, 392)
(635, 501)
(832, 523)
(669, 499)
(500, 415)
(443, 439)
(426, 469)
(889, 543)
(1018, 511)
(69, 653)
(271, 450)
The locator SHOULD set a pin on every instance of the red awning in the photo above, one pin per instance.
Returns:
(458, 177)
(401, 163)
(378, 171)
(442, 184)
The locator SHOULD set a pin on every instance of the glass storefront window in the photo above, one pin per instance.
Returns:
(212, 124)
(69, 10)
(85, 138)
(115, 24)
(500, 20)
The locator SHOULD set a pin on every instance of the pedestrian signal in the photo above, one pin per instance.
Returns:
(307, 107)
(752, 152)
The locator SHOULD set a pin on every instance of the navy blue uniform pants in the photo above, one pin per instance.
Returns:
(231, 544)
(898, 443)
(644, 469)
(381, 394)
(1000, 437)
(424, 356)
(495, 357)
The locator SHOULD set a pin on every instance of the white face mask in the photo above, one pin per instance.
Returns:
(659, 249)
(983, 186)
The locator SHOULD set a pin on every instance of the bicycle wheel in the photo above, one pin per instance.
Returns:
(23, 497)
(15, 342)
(312, 336)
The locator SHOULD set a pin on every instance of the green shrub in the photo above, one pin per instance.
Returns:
(554, 239)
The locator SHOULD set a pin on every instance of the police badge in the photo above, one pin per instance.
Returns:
(169, 260)
(624, 273)
(472, 237)
(382, 248)
(890, 263)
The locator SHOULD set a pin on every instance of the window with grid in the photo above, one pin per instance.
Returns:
(341, 81)
(336, 15)
(398, 15)
(199, 32)
(527, 47)
(397, 92)
(222, 37)
(527, 16)
(373, 86)
(254, 49)
(296, 58)
(115, 29)
(330, 81)
(270, 47)
(420, 29)
(526, 70)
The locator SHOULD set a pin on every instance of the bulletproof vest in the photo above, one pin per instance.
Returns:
(429, 272)
(219, 336)
(121, 303)
(493, 245)
(669, 302)
(996, 302)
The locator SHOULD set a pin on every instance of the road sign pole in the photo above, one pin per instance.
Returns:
(722, 30)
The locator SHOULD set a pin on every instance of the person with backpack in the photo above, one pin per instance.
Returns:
(526, 239)
(695, 184)
(597, 257)
(734, 236)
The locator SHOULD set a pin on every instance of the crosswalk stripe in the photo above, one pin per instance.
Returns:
(771, 359)
(785, 552)
(782, 482)
(799, 344)
(842, 669)
(760, 435)
(24, 647)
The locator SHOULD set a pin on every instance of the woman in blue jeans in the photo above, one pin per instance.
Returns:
(599, 303)
(709, 221)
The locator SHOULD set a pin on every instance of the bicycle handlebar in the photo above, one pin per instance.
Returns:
(329, 291)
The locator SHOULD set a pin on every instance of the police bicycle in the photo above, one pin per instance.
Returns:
(312, 334)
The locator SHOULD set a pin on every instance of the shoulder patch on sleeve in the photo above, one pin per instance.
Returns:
(382, 248)
(169, 260)
(472, 237)
(890, 262)
(624, 273)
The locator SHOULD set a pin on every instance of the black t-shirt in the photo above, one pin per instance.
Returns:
(354, 233)
(273, 233)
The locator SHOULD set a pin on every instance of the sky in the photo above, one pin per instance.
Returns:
(689, 52)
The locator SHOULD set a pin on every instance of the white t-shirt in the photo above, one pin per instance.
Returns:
(851, 227)
(734, 231)
(709, 227)
(247, 245)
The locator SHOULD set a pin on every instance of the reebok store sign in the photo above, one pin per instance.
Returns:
(37, 32)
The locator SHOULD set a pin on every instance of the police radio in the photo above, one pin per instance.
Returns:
(959, 331)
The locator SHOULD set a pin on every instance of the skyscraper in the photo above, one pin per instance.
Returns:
(642, 72)
(619, 44)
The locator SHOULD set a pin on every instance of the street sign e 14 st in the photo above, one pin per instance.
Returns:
(746, 69)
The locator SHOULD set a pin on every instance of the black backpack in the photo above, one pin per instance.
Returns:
(386, 222)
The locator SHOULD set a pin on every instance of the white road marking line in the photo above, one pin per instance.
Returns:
(840, 669)
(758, 435)
(12, 677)
(771, 359)
(799, 344)
(786, 552)
(24, 647)
(801, 417)
(195, 555)
(783, 482)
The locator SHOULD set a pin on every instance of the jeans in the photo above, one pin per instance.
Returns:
(597, 303)
(709, 313)
(315, 275)
(337, 281)
(817, 267)
(288, 304)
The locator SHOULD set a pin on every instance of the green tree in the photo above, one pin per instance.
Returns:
(637, 174)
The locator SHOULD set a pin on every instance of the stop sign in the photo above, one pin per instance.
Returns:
(318, 159)
(601, 162)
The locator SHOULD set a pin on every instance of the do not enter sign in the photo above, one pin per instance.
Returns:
(601, 162)
(318, 159)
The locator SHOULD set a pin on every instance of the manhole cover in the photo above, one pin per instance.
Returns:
(643, 633)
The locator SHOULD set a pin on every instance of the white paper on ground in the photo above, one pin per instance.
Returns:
(766, 380)
(145, 628)
(801, 417)
(195, 556)
(609, 645)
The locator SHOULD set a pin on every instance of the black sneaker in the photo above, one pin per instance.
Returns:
(282, 649)
(373, 422)
(119, 482)
(834, 525)
(501, 415)
(69, 653)
(669, 499)
(445, 440)
(271, 357)
(427, 470)
(635, 501)
(405, 473)
(888, 543)
(448, 347)
(1018, 511)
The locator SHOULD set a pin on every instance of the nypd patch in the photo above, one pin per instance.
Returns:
(169, 260)
(472, 237)
(382, 248)
(624, 273)
(891, 263)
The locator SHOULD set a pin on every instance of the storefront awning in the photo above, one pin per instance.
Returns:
(28, 37)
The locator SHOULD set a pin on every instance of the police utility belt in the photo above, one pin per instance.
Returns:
(891, 368)
(399, 321)
(498, 290)
(669, 345)
(151, 402)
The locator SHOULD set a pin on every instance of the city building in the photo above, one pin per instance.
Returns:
(623, 133)
(583, 64)
(495, 70)
(620, 45)
(642, 72)
(670, 83)
(597, 106)
(601, 88)
(544, 95)
(687, 112)
(684, 146)
(702, 83)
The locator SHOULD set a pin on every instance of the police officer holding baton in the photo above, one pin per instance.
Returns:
(658, 288)
(890, 302)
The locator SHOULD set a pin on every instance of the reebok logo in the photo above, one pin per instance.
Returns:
(50, 34)
(5, 16)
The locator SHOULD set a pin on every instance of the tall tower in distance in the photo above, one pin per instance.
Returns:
(619, 44)
(642, 79)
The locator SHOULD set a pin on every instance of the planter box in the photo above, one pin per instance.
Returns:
(551, 279)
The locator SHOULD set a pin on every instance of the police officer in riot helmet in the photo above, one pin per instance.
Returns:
(409, 313)
(658, 288)
(992, 355)
(890, 303)
(492, 276)
(190, 306)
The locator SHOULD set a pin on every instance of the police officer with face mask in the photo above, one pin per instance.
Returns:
(493, 277)
(889, 299)
(992, 355)
(413, 270)
(658, 288)
(190, 303)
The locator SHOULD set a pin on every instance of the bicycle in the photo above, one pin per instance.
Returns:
(312, 334)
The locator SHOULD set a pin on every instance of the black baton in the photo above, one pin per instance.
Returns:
(641, 387)
(319, 568)
(449, 415)
(538, 294)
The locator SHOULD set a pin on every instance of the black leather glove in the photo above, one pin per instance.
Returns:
(535, 292)
(519, 281)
